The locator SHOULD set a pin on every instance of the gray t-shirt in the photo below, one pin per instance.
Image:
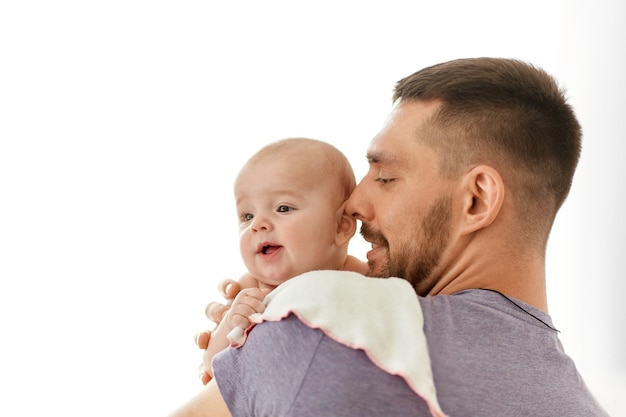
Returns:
(488, 357)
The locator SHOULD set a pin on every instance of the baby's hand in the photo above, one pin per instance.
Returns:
(228, 288)
(249, 301)
(355, 265)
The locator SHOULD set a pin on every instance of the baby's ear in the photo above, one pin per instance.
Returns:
(346, 227)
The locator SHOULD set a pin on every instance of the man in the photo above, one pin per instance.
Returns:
(465, 180)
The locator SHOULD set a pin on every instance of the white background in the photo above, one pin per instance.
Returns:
(123, 124)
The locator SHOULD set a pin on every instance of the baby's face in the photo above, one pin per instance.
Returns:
(288, 219)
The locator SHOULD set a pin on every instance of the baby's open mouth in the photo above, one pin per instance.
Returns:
(267, 249)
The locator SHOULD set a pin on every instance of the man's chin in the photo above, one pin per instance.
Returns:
(377, 270)
(371, 272)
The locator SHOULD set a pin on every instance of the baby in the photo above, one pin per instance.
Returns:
(290, 199)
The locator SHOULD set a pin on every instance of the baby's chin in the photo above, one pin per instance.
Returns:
(273, 280)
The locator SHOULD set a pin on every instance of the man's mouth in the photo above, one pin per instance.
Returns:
(375, 238)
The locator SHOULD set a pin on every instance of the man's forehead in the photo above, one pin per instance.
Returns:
(387, 149)
(398, 140)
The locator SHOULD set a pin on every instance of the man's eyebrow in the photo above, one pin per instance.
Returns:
(375, 157)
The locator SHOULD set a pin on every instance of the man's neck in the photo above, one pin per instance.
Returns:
(519, 277)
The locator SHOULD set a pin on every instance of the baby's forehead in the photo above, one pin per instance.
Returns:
(305, 161)
(295, 177)
(300, 160)
(282, 174)
(313, 153)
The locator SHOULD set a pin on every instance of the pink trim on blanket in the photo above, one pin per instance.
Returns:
(434, 409)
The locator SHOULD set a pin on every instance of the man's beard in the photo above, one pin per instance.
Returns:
(415, 260)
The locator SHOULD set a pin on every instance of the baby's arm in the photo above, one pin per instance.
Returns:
(353, 264)
(246, 303)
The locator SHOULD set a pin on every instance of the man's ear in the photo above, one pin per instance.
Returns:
(483, 191)
(346, 227)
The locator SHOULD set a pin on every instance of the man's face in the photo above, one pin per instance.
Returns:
(403, 203)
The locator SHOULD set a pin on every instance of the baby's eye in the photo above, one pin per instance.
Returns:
(246, 217)
(284, 209)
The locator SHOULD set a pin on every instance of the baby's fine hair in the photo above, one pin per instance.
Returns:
(330, 161)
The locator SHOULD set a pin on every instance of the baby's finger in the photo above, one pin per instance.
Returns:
(245, 306)
(240, 320)
(215, 311)
(202, 339)
(203, 375)
(229, 288)
(236, 336)
(255, 293)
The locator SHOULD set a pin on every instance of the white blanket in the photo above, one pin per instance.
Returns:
(381, 316)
